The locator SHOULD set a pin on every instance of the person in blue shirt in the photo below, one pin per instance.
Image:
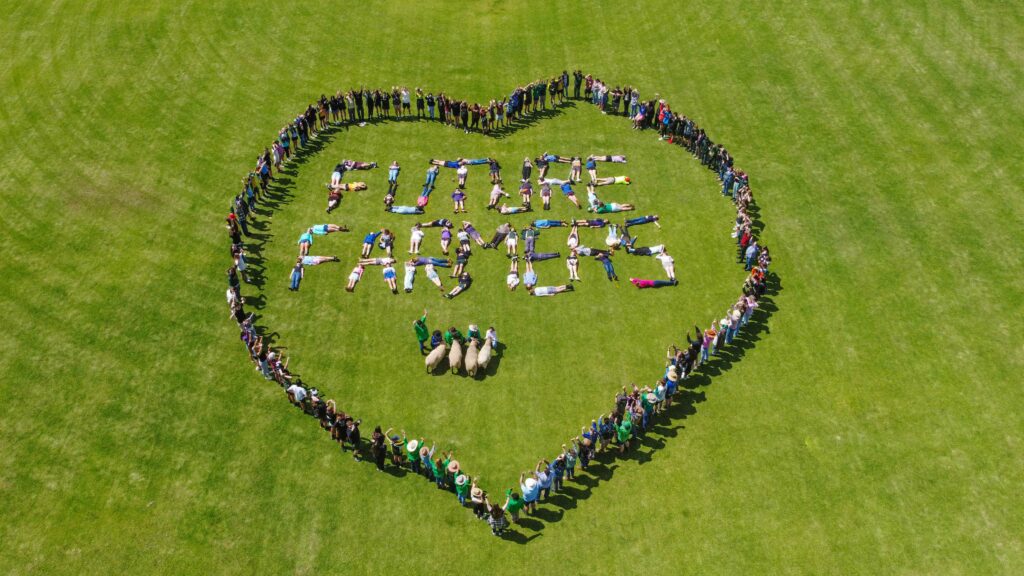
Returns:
(368, 242)
(569, 194)
(531, 492)
(727, 182)
(558, 470)
(652, 219)
(592, 167)
(305, 241)
(550, 223)
(545, 478)
(325, 229)
(529, 277)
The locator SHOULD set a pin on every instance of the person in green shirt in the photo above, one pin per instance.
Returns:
(473, 332)
(462, 488)
(422, 332)
(613, 207)
(412, 454)
(513, 505)
(453, 334)
(623, 431)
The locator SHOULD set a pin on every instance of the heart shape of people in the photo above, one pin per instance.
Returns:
(637, 410)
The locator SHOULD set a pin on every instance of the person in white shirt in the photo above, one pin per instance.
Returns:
(296, 393)
(668, 263)
(416, 239)
(410, 275)
(549, 290)
(512, 280)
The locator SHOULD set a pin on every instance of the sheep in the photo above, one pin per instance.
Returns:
(471, 356)
(484, 358)
(433, 360)
(455, 357)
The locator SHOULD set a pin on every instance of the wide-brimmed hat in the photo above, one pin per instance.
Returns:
(476, 492)
(673, 375)
(530, 483)
(461, 480)
(413, 444)
(651, 397)
(453, 466)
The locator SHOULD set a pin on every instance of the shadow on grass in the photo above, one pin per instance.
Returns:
(662, 426)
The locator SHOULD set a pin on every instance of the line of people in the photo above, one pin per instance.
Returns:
(634, 410)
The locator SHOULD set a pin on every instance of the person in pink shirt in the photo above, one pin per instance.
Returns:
(640, 283)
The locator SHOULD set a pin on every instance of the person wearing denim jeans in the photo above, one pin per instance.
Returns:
(296, 275)
(751, 255)
(412, 454)
(462, 488)
(545, 478)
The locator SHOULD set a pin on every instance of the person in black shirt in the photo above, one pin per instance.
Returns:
(378, 448)
(358, 95)
(465, 280)
(419, 103)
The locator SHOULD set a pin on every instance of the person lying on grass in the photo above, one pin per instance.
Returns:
(611, 180)
(549, 290)
(612, 208)
(354, 277)
(652, 283)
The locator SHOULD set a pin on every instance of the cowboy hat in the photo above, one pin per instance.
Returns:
(413, 444)
(453, 466)
(461, 480)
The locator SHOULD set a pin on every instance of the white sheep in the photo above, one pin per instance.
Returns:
(484, 358)
(455, 357)
(433, 360)
(471, 357)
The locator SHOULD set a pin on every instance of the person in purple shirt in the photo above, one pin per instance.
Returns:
(424, 260)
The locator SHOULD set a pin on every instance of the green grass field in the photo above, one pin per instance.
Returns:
(874, 428)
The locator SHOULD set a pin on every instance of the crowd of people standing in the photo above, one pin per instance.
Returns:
(635, 408)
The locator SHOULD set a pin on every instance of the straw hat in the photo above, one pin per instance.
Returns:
(413, 445)
(673, 374)
(476, 492)
(530, 483)
(453, 467)
(651, 397)
(461, 480)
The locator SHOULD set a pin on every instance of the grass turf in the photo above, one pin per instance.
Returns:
(876, 428)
